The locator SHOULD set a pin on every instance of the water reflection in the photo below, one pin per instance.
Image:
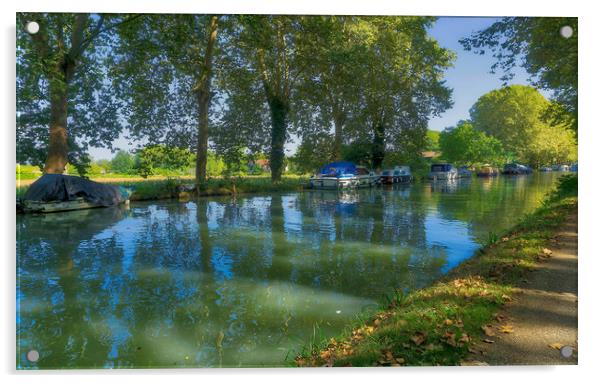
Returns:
(240, 281)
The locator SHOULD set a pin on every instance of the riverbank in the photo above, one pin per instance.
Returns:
(446, 323)
(170, 188)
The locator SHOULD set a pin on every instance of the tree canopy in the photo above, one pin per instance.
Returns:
(536, 44)
(515, 116)
(464, 145)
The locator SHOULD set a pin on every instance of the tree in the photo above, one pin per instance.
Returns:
(514, 115)
(155, 157)
(163, 70)
(549, 58)
(64, 102)
(432, 140)
(402, 86)
(122, 162)
(262, 58)
(328, 90)
(465, 145)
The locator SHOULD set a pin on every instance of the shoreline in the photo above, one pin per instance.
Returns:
(443, 324)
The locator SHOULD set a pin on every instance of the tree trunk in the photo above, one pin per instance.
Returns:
(203, 99)
(339, 121)
(378, 145)
(203, 92)
(279, 111)
(58, 147)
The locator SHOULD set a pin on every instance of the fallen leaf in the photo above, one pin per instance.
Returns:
(488, 340)
(547, 252)
(418, 338)
(506, 329)
(556, 346)
(488, 330)
(400, 360)
(464, 338)
(448, 322)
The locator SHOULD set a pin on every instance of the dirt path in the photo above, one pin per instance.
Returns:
(543, 314)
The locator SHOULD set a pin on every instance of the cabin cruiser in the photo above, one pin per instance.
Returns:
(574, 167)
(464, 172)
(544, 169)
(561, 168)
(487, 171)
(343, 174)
(443, 172)
(398, 174)
(515, 169)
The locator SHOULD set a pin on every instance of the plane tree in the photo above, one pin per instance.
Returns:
(64, 100)
(162, 70)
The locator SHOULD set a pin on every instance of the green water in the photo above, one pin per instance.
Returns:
(240, 281)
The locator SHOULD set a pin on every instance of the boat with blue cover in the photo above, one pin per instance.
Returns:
(343, 174)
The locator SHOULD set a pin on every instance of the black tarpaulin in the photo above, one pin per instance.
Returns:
(58, 187)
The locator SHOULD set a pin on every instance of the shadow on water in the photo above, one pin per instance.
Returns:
(240, 281)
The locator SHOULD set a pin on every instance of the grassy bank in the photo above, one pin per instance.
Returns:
(440, 324)
(153, 189)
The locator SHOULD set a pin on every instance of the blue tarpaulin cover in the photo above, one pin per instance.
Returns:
(338, 169)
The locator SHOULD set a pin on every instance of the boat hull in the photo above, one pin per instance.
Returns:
(60, 206)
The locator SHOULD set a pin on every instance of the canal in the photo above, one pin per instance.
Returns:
(241, 281)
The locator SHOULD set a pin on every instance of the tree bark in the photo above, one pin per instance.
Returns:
(378, 145)
(203, 92)
(58, 147)
(339, 121)
(203, 99)
(279, 112)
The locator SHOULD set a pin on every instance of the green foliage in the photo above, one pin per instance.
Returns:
(549, 58)
(28, 172)
(464, 145)
(514, 115)
(123, 162)
(162, 159)
(65, 56)
(432, 140)
(313, 153)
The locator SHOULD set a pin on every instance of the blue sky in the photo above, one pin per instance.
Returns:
(469, 77)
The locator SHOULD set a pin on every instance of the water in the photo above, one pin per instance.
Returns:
(240, 281)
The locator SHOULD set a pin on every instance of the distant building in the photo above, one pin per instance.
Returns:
(429, 155)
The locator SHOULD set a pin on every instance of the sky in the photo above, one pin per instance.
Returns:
(469, 78)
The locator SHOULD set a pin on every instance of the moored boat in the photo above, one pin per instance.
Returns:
(342, 174)
(395, 175)
(487, 171)
(443, 172)
(57, 193)
(516, 169)
(464, 172)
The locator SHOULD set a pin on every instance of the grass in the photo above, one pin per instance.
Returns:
(440, 324)
(153, 189)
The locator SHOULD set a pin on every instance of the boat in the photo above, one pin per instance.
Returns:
(574, 167)
(516, 169)
(561, 168)
(405, 174)
(58, 193)
(487, 171)
(545, 169)
(464, 172)
(398, 174)
(443, 172)
(342, 174)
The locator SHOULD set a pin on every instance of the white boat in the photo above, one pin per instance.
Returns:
(395, 175)
(443, 172)
(343, 174)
